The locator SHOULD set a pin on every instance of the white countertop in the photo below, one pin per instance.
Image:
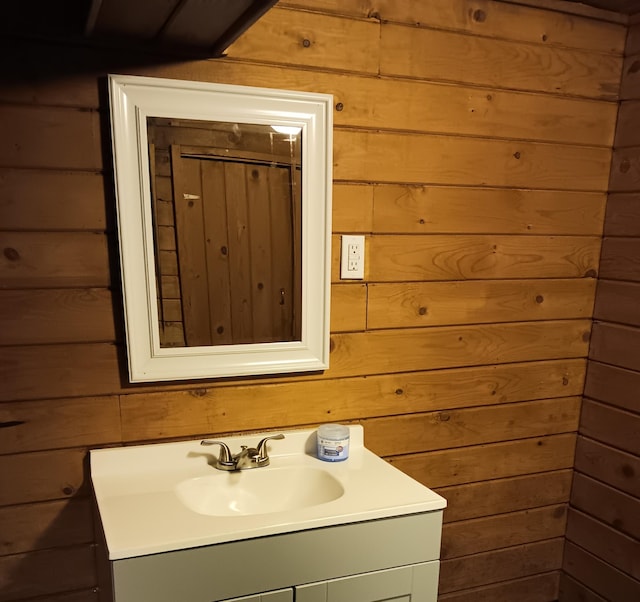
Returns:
(141, 513)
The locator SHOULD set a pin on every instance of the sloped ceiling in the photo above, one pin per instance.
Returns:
(627, 7)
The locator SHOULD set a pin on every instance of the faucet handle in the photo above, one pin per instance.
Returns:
(263, 456)
(225, 458)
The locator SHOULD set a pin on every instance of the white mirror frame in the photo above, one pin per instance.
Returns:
(132, 100)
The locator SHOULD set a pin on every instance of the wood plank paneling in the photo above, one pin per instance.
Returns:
(210, 410)
(500, 565)
(539, 588)
(609, 465)
(46, 572)
(505, 495)
(492, 461)
(492, 19)
(80, 315)
(610, 545)
(611, 426)
(607, 504)
(616, 344)
(476, 302)
(573, 591)
(363, 156)
(53, 260)
(44, 200)
(438, 210)
(433, 54)
(51, 424)
(494, 532)
(45, 525)
(462, 257)
(613, 385)
(607, 581)
(623, 215)
(618, 302)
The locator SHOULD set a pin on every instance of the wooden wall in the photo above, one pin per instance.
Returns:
(472, 148)
(602, 553)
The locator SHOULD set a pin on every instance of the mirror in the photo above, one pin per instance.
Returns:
(224, 220)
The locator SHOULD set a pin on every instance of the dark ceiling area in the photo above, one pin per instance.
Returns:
(626, 7)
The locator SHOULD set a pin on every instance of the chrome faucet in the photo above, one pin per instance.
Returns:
(247, 457)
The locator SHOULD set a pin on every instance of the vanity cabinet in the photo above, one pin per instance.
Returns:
(391, 559)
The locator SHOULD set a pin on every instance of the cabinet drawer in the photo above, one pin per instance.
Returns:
(418, 583)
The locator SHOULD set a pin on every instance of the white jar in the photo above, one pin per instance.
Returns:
(333, 442)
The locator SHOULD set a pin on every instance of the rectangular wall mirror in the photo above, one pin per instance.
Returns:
(224, 221)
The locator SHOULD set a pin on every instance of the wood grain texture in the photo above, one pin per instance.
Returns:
(613, 385)
(613, 585)
(623, 215)
(612, 426)
(209, 410)
(442, 210)
(571, 590)
(506, 495)
(539, 588)
(618, 302)
(430, 304)
(491, 19)
(491, 461)
(362, 156)
(618, 345)
(500, 565)
(620, 259)
(515, 66)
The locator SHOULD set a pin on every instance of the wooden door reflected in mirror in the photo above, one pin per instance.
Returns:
(227, 232)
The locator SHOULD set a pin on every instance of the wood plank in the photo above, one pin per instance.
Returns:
(89, 595)
(599, 576)
(500, 565)
(617, 428)
(618, 302)
(615, 344)
(443, 210)
(432, 54)
(46, 572)
(44, 137)
(402, 305)
(58, 423)
(352, 208)
(630, 85)
(612, 385)
(538, 588)
(43, 200)
(441, 257)
(494, 532)
(280, 35)
(348, 307)
(43, 476)
(625, 169)
(57, 316)
(573, 591)
(455, 346)
(363, 156)
(45, 525)
(211, 410)
(492, 461)
(413, 433)
(491, 19)
(499, 496)
(622, 215)
(632, 45)
(45, 372)
(628, 118)
(620, 259)
(608, 465)
(53, 259)
(615, 548)
(608, 505)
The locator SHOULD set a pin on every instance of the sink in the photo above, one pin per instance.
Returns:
(259, 491)
(165, 497)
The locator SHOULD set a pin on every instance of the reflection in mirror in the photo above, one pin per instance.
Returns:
(224, 224)
(227, 231)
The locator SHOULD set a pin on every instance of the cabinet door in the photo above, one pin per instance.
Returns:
(281, 595)
(416, 583)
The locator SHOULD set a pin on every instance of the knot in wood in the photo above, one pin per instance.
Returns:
(422, 311)
(444, 417)
(306, 43)
(539, 298)
(339, 106)
(479, 16)
(625, 166)
(516, 154)
(11, 254)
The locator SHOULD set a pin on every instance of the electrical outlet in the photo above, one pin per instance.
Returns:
(352, 258)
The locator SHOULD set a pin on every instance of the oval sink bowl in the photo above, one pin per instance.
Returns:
(259, 491)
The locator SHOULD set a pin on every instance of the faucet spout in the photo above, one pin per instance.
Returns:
(247, 457)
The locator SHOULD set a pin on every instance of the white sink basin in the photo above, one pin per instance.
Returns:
(258, 491)
(168, 496)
